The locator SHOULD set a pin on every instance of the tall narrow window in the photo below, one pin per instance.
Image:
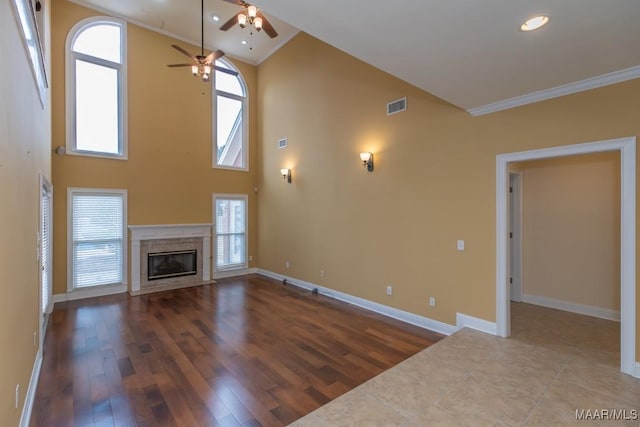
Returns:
(230, 217)
(96, 88)
(230, 119)
(45, 249)
(97, 237)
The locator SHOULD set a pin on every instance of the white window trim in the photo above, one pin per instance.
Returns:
(245, 119)
(125, 237)
(214, 240)
(70, 87)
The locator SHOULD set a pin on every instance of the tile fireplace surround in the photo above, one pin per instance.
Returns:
(147, 239)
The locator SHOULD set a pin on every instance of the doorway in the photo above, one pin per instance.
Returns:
(626, 148)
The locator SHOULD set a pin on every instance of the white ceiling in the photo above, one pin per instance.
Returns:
(470, 53)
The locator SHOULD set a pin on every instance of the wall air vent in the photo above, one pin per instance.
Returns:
(397, 106)
(282, 143)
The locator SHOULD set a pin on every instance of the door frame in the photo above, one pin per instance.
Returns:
(627, 149)
(515, 227)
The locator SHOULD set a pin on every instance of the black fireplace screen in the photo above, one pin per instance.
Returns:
(163, 265)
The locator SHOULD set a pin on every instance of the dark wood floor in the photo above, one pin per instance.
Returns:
(247, 351)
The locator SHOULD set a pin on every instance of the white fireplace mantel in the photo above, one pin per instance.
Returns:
(168, 231)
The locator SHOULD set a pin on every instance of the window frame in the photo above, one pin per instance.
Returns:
(70, 88)
(245, 199)
(71, 191)
(245, 119)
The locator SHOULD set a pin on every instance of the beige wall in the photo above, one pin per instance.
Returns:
(24, 155)
(168, 176)
(434, 181)
(571, 229)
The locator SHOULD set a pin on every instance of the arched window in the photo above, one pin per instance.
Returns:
(96, 88)
(230, 118)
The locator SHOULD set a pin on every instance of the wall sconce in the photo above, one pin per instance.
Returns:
(367, 161)
(286, 175)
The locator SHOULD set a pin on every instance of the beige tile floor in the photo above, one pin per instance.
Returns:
(554, 363)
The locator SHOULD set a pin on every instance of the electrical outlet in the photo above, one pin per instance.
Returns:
(250, 257)
(17, 395)
(432, 302)
(460, 245)
(35, 338)
(389, 290)
(286, 264)
(321, 273)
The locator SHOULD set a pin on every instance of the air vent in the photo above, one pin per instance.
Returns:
(397, 106)
(282, 143)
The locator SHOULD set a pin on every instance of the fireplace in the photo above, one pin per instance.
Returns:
(162, 265)
(169, 256)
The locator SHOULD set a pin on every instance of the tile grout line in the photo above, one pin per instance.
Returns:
(542, 395)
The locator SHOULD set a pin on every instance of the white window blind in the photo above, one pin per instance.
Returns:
(45, 249)
(231, 236)
(98, 238)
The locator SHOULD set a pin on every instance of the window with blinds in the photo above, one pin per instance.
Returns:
(45, 249)
(97, 237)
(231, 232)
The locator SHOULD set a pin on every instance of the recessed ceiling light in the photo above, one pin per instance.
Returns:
(215, 18)
(534, 23)
(243, 42)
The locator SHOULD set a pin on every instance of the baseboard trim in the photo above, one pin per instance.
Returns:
(466, 321)
(27, 408)
(90, 293)
(405, 316)
(587, 310)
(234, 273)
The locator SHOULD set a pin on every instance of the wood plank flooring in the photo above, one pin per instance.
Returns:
(247, 351)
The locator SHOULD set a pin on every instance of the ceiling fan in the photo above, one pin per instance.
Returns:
(202, 65)
(251, 15)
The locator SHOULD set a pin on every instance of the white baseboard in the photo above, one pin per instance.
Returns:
(90, 293)
(588, 310)
(466, 321)
(234, 273)
(405, 316)
(27, 408)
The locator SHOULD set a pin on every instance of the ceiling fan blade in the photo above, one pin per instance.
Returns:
(267, 27)
(213, 56)
(179, 65)
(230, 23)
(184, 52)
(238, 2)
(225, 70)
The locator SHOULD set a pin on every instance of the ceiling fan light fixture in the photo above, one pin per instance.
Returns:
(534, 23)
(252, 11)
(194, 70)
(257, 22)
(242, 20)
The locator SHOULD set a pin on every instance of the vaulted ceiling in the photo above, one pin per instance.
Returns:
(470, 53)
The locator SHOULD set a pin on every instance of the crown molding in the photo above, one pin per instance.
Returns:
(555, 92)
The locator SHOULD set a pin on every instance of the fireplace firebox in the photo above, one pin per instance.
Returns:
(163, 265)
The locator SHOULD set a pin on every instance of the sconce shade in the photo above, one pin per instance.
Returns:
(286, 174)
(367, 160)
